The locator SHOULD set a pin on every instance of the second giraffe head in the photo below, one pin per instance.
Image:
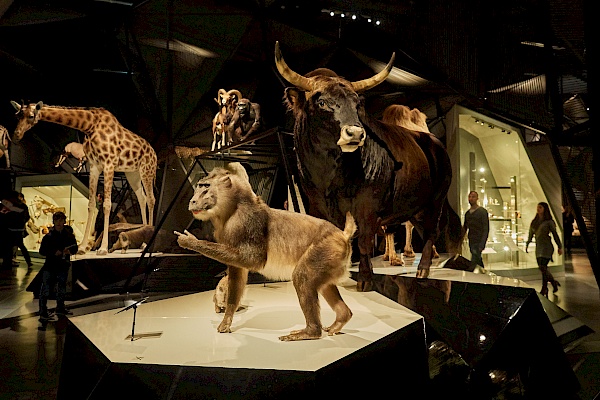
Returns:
(27, 115)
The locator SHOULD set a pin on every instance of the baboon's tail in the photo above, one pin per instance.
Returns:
(350, 227)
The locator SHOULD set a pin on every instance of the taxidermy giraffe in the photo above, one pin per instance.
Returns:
(109, 148)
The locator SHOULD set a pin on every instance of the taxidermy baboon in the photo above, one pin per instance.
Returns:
(279, 244)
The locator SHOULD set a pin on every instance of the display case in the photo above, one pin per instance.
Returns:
(46, 194)
(492, 159)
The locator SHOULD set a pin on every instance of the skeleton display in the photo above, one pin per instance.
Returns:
(278, 244)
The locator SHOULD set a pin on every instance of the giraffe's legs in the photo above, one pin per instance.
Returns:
(109, 174)
(92, 211)
(135, 181)
(148, 183)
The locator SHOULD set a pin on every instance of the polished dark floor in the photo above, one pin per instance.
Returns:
(30, 359)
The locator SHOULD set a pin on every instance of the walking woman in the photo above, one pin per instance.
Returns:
(542, 226)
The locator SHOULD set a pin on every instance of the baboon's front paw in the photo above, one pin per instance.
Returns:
(186, 240)
(102, 252)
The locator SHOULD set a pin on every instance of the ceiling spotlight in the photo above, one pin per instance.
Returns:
(368, 19)
(342, 15)
(354, 16)
(378, 22)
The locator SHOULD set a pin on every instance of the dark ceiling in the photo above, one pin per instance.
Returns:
(157, 65)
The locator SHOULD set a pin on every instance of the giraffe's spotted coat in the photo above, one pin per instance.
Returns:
(109, 147)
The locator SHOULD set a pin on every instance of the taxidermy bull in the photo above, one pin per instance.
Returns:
(278, 244)
(245, 121)
(347, 161)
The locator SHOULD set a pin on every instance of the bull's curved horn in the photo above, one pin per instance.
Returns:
(301, 82)
(365, 84)
(16, 105)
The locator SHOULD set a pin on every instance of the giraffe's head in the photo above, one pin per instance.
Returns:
(27, 115)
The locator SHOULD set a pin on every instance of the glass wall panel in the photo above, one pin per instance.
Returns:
(493, 160)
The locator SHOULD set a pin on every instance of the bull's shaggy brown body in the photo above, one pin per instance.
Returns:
(348, 161)
(281, 245)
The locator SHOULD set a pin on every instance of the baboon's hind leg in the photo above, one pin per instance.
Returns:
(343, 314)
(306, 281)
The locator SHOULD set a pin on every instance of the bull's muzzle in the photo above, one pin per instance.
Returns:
(351, 137)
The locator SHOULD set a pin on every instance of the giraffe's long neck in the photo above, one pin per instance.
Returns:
(82, 119)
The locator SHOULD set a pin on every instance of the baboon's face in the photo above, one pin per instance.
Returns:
(218, 194)
(203, 201)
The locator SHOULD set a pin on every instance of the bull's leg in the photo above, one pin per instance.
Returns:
(343, 314)
(386, 254)
(390, 251)
(237, 278)
(429, 235)
(367, 227)
(408, 248)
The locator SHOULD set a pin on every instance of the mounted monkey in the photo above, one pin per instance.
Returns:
(245, 121)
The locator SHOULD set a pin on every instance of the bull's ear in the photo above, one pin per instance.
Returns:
(294, 99)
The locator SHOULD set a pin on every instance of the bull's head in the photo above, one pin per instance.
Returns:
(330, 93)
(27, 116)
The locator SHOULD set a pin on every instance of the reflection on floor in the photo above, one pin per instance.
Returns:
(31, 358)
